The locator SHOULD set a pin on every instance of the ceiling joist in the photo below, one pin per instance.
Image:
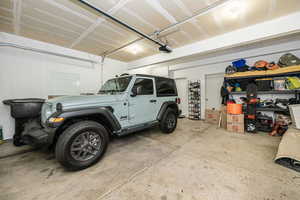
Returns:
(141, 19)
(272, 7)
(17, 12)
(157, 6)
(188, 12)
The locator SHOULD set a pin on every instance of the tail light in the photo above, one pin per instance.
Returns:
(177, 100)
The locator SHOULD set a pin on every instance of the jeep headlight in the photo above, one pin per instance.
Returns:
(47, 110)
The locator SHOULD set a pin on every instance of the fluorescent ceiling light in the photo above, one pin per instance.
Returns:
(134, 49)
(233, 9)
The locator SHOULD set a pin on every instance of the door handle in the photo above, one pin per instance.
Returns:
(152, 101)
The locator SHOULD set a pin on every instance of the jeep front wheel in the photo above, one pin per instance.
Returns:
(168, 122)
(81, 145)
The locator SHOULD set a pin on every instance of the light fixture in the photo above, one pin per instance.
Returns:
(134, 49)
(233, 9)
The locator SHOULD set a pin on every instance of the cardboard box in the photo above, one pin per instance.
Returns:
(237, 128)
(235, 123)
(212, 116)
(236, 119)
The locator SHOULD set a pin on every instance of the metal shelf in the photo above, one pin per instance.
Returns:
(281, 72)
(271, 109)
(269, 92)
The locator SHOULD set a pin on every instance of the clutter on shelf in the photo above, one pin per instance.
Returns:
(263, 94)
(286, 60)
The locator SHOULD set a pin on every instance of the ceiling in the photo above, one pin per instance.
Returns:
(69, 24)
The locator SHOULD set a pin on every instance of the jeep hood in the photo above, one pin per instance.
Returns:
(69, 102)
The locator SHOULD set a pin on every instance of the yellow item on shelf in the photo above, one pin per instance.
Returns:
(238, 89)
(293, 83)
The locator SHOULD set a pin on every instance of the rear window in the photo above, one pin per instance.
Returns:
(165, 87)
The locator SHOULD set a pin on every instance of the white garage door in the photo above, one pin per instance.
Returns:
(182, 85)
(213, 84)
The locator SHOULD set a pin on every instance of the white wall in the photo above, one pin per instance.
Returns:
(26, 74)
(158, 70)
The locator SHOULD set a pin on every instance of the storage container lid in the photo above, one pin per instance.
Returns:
(30, 100)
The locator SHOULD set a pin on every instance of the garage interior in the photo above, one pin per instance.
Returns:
(237, 72)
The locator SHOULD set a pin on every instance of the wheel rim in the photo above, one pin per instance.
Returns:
(86, 146)
(171, 121)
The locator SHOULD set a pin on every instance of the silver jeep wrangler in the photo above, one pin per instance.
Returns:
(79, 127)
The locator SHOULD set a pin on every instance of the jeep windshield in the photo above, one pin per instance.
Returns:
(115, 85)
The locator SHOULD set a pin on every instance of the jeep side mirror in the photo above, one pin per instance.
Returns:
(134, 92)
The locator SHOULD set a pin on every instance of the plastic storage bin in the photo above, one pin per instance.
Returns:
(235, 109)
(279, 83)
(25, 108)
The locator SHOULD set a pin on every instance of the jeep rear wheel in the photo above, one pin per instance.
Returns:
(169, 121)
(81, 145)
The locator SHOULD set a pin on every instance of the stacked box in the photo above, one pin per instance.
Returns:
(212, 116)
(235, 123)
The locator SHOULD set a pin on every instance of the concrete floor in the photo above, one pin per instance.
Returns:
(197, 161)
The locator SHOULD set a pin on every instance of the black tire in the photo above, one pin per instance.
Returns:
(64, 152)
(164, 125)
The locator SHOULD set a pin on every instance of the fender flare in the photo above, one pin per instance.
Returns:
(165, 106)
(106, 112)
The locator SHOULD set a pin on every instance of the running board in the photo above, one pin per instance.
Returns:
(136, 128)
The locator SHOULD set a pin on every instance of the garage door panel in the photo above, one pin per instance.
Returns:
(35, 22)
(61, 10)
(148, 13)
(57, 21)
(79, 8)
(177, 12)
(134, 21)
(44, 36)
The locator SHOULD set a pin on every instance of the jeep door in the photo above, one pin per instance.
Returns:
(142, 101)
